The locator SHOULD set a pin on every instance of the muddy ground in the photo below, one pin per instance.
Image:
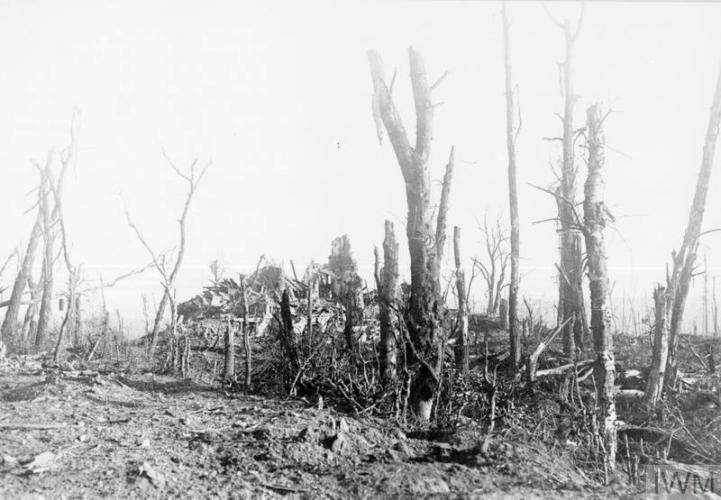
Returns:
(89, 433)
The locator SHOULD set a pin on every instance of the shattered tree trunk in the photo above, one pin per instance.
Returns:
(21, 280)
(347, 288)
(654, 387)
(388, 291)
(353, 317)
(511, 135)
(287, 335)
(462, 326)
(425, 239)
(229, 364)
(684, 259)
(246, 336)
(594, 227)
(571, 275)
(48, 260)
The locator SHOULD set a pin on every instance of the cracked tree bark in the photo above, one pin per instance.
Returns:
(594, 228)
(425, 239)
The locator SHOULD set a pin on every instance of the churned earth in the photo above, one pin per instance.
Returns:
(72, 433)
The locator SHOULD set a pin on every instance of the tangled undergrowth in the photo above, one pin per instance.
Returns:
(558, 412)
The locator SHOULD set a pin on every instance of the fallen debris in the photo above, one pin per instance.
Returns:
(39, 463)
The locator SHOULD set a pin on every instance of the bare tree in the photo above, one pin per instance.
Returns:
(48, 262)
(14, 254)
(571, 269)
(159, 261)
(512, 130)
(685, 258)
(43, 226)
(462, 321)
(493, 270)
(73, 271)
(21, 280)
(595, 216)
(426, 237)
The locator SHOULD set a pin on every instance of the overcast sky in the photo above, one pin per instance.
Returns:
(278, 96)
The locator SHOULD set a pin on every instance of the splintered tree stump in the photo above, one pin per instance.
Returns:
(388, 280)
(229, 365)
(461, 351)
(654, 388)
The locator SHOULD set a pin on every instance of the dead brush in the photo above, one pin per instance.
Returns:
(326, 371)
(488, 397)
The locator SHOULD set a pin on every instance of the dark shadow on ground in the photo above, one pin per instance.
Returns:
(183, 386)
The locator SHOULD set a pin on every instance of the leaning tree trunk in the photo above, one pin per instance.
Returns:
(11, 314)
(683, 260)
(654, 387)
(462, 326)
(594, 226)
(159, 315)
(571, 274)
(388, 291)
(425, 238)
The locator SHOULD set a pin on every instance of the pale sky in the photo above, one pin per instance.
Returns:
(278, 96)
